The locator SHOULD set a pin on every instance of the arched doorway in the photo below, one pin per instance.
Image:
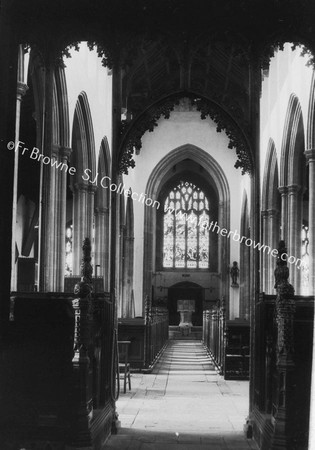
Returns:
(185, 291)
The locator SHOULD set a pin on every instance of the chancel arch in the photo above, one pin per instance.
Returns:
(191, 164)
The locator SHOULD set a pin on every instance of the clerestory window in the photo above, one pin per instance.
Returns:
(185, 236)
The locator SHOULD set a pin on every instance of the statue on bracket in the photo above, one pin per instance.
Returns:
(234, 274)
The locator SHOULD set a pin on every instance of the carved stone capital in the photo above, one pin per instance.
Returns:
(273, 213)
(101, 211)
(65, 152)
(310, 155)
(81, 187)
(293, 189)
(21, 89)
(264, 214)
(92, 188)
(283, 190)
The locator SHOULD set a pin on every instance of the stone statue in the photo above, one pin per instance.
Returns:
(234, 273)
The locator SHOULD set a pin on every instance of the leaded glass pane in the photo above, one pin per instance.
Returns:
(180, 241)
(186, 239)
(192, 243)
(168, 259)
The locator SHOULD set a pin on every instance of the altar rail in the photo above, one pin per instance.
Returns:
(147, 337)
(47, 394)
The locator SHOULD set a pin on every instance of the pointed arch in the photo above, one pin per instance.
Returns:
(84, 160)
(83, 139)
(102, 197)
(310, 139)
(102, 215)
(62, 104)
(292, 179)
(292, 134)
(270, 193)
(216, 178)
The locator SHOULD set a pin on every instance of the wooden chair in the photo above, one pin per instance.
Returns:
(124, 366)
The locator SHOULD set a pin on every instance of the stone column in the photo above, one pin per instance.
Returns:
(47, 194)
(284, 212)
(106, 250)
(79, 223)
(264, 258)
(127, 275)
(54, 155)
(64, 155)
(8, 64)
(20, 92)
(310, 156)
(102, 243)
(223, 260)
(294, 229)
(90, 214)
(273, 239)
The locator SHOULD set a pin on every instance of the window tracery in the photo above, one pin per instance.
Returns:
(185, 240)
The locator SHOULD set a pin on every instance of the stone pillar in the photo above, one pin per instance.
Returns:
(294, 229)
(273, 239)
(102, 244)
(79, 222)
(8, 64)
(120, 268)
(223, 259)
(20, 92)
(284, 212)
(47, 188)
(106, 250)
(89, 214)
(54, 155)
(127, 275)
(264, 257)
(64, 156)
(310, 156)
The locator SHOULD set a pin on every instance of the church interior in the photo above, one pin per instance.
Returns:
(157, 182)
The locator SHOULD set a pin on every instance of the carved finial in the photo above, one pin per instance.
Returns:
(84, 287)
(282, 272)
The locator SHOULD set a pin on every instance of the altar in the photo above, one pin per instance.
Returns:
(185, 309)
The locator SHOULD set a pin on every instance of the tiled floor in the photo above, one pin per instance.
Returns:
(183, 404)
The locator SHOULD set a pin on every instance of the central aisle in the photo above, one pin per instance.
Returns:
(182, 404)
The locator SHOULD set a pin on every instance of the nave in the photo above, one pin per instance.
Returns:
(184, 404)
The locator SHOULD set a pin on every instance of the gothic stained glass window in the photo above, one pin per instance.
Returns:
(185, 240)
